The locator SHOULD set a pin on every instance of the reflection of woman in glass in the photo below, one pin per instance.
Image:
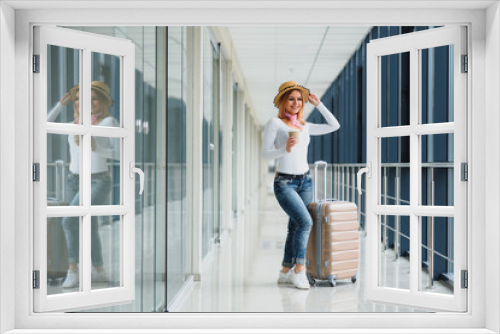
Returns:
(102, 149)
(286, 138)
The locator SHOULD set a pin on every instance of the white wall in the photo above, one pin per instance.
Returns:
(7, 167)
(492, 160)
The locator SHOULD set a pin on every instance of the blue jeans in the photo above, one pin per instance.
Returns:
(294, 195)
(100, 189)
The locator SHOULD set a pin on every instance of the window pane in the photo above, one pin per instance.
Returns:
(208, 143)
(395, 171)
(176, 233)
(437, 170)
(105, 169)
(394, 249)
(105, 94)
(63, 169)
(63, 250)
(105, 251)
(437, 255)
(63, 66)
(437, 85)
(395, 90)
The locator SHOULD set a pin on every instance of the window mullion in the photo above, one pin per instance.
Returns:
(86, 174)
(415, 174)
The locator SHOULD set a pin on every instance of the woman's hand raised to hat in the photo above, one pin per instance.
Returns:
(313, 99)
(66, 99)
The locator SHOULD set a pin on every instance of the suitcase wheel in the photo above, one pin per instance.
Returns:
(333, 283)
(312, 281)
(353, 279)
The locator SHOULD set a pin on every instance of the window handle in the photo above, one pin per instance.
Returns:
(134, 170)
(368, 171)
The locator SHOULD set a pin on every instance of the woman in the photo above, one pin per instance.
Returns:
(102, 149)
(293, 186)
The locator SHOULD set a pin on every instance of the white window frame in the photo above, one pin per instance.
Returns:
(86, 44)
(483, 103)
(413, 43)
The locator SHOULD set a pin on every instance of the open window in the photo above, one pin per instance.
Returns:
(419, 136)
(84, 194)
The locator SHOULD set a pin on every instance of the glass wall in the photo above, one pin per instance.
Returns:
(164, 237)
(162, 233)
(209, 111)
(178, 236)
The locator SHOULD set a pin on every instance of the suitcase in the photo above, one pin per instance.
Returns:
(333, 248)
(57, 252)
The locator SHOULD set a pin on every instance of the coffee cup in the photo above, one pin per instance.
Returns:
(294, 134)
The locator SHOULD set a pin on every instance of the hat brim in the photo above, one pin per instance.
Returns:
(305, 92)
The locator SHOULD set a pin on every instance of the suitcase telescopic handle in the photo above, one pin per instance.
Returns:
(317, 164)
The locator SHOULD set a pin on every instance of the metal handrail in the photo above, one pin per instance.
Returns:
(59, 170)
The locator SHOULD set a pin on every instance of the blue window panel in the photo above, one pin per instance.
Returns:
(363, 159)
(336, 113)
(404, 104)
(424, 238)
(391, 222)
(440, 245)
(404, 192)
(425, 98)
(407, 29)
(343, 112)
(327, 148)
(354, 110)
(374, 33)
(441, 186)
(341, 118)
(360, 113)
(383, 32)
(404, 114)
(351, 109)
(384, 85)
(391, 186)
(441, 84)
(404, 241)
(420, 28)
(440, 148)
(394, 31)
(310, 157)
(425, 187)
(425, 85)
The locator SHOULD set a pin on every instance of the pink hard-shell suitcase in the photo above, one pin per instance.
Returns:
(333, 247)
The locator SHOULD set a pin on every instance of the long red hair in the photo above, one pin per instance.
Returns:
(281, 113)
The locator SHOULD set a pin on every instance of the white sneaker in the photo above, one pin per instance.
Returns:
(285, 278)
(72, 279)
(99, 276)
(300, 280)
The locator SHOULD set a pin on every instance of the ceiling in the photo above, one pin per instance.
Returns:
(312, 56)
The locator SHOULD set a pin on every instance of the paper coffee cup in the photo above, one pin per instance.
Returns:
(294, 134)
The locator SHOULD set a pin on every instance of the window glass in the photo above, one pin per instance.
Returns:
(437, 85)
(437, 255)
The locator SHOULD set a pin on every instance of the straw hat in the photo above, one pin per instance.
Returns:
(99, 87)
(287, 86)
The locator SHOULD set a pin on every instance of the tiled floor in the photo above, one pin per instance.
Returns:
(242, 277)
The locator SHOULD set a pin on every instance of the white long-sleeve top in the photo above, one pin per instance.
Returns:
(276, 135)
(105, 147)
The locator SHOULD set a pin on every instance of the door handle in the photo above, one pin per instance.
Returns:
(368, 171)
(134, 170)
